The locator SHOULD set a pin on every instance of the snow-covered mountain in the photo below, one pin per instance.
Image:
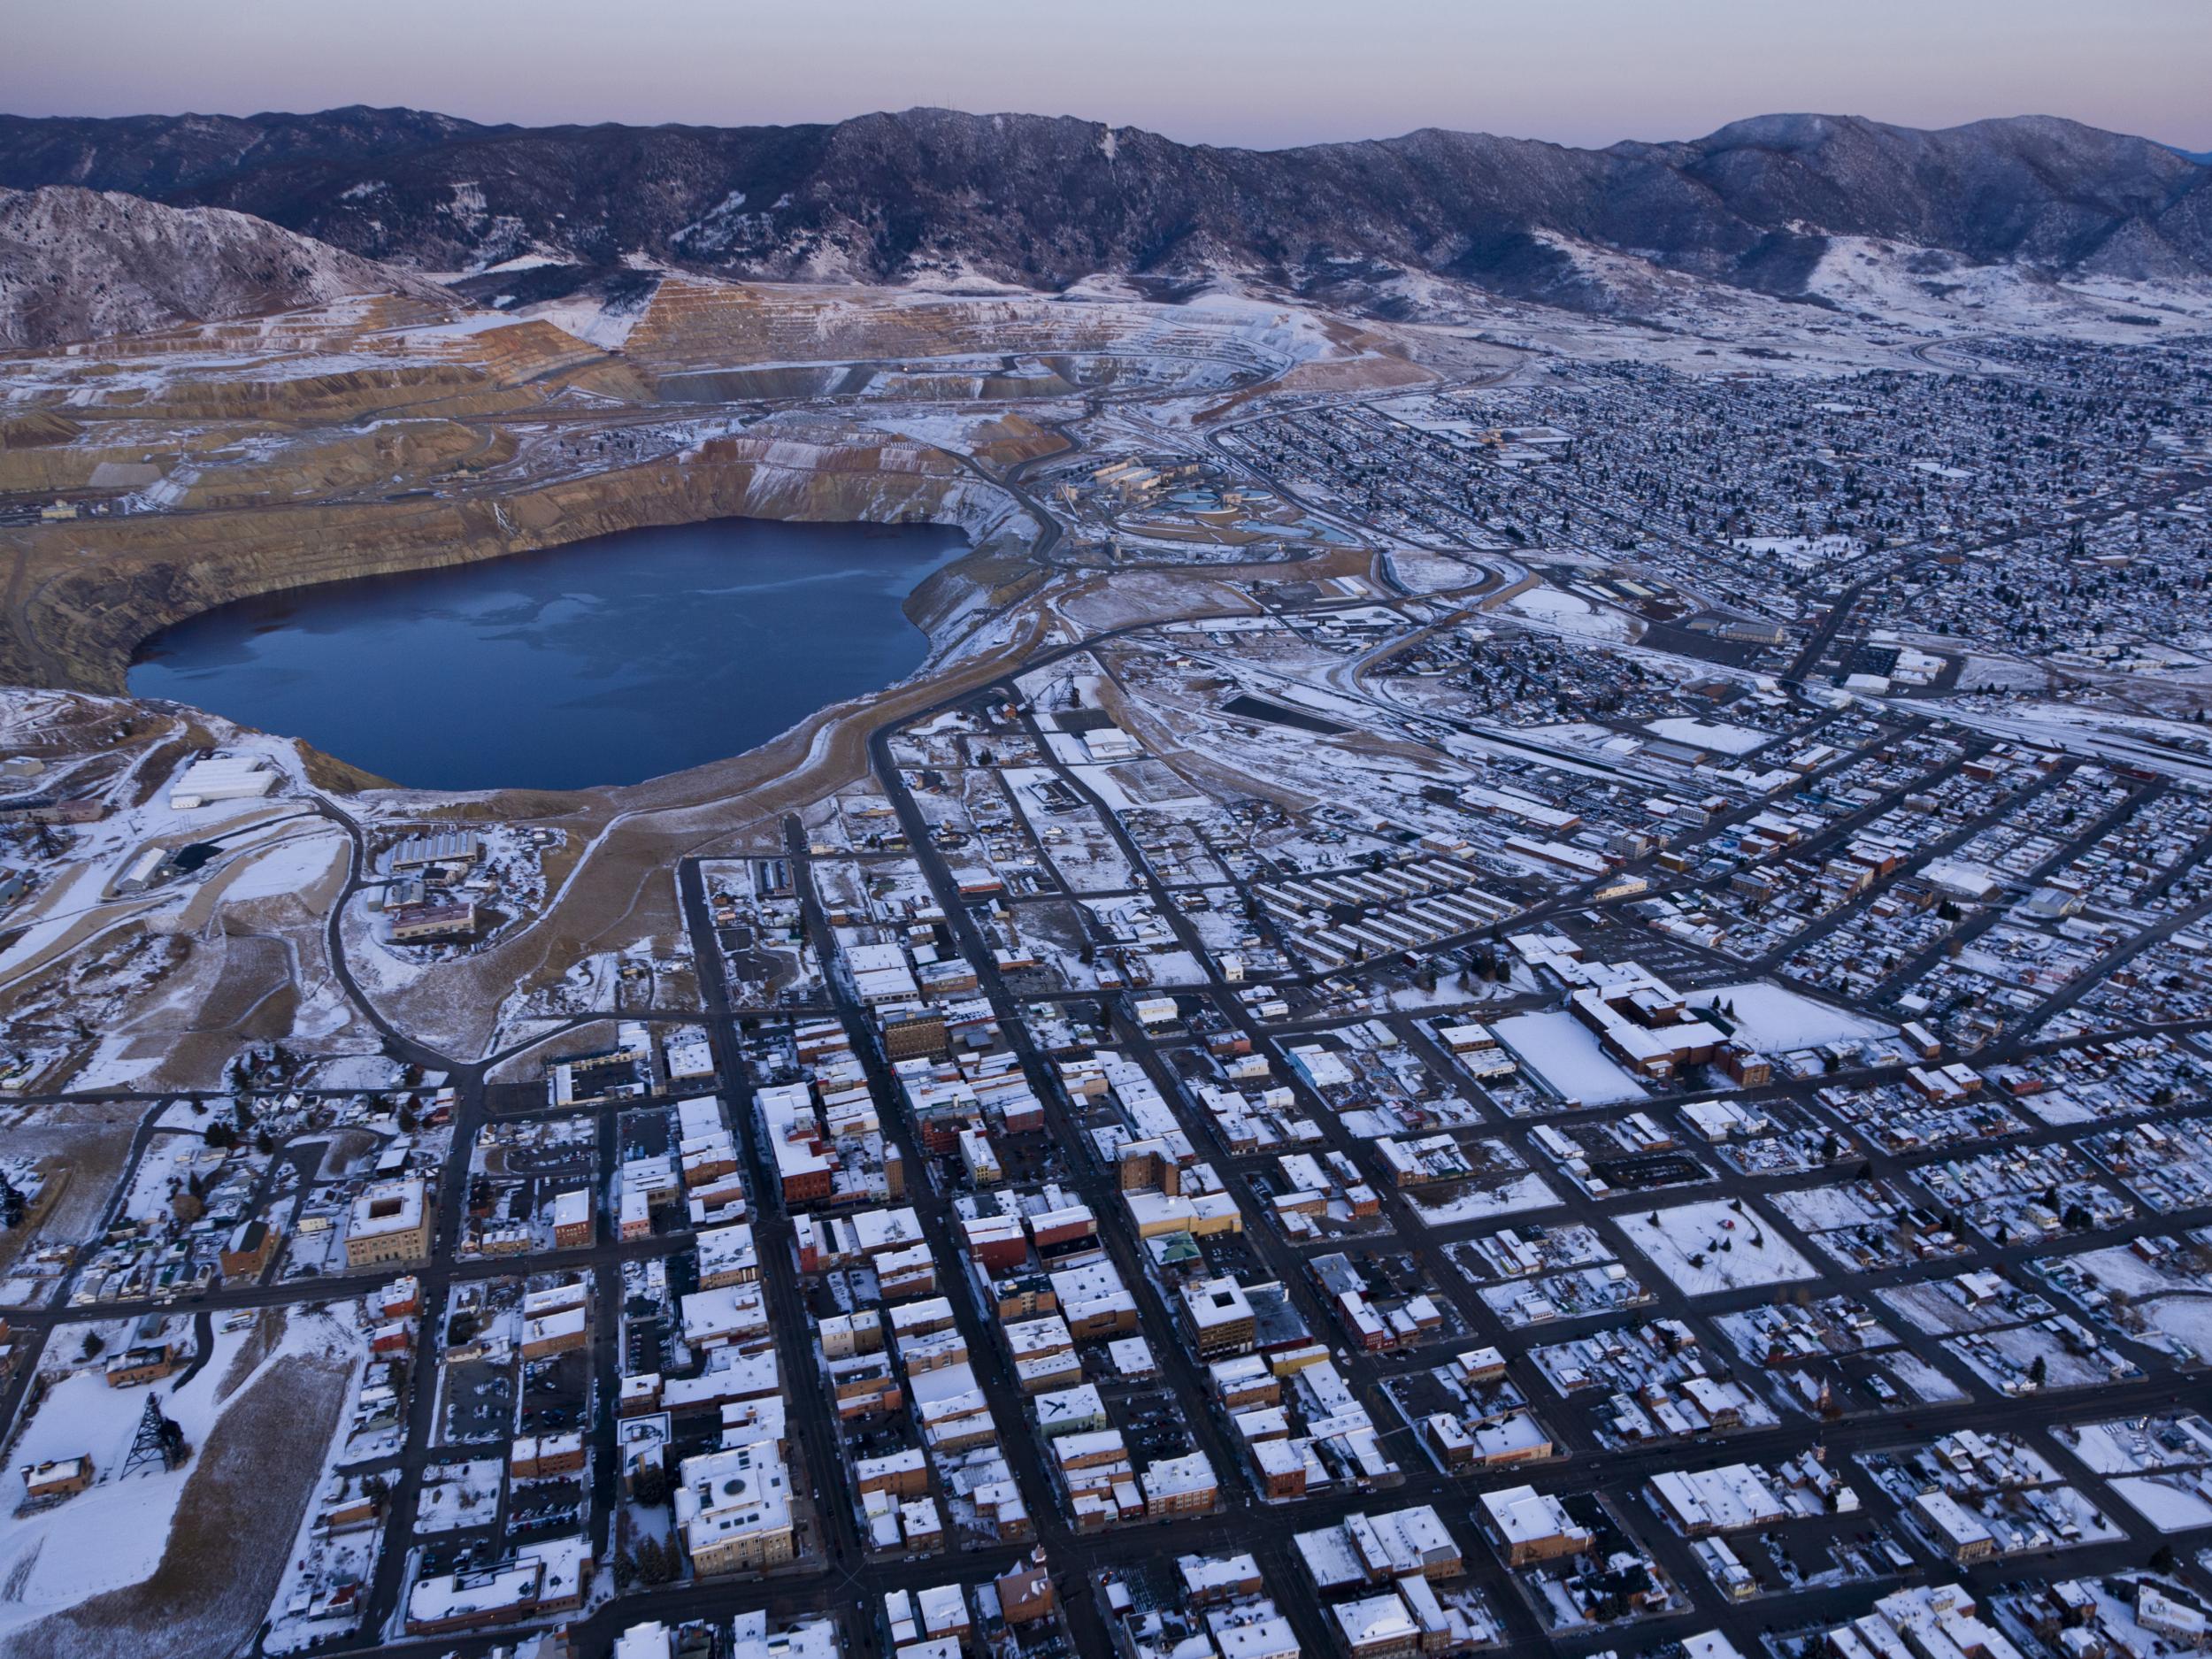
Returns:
(1046, 201)
(81, 265)
(1768, 205)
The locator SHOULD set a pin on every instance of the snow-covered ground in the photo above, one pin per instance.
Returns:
(2187, 1317)
(114, 1534)
(1556, 612)
(1479, 1199)
(2119, 1447)
(459, 1495)
(1710, 1246)
(1906, 284)
(1776, 1020)
(1919, 1378)
(289, 865)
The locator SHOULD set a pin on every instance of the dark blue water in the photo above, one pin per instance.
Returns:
(604, 662)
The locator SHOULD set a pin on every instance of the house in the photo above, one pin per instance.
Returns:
(246, 1255)
(56, 1478)
(1532, 1525)
(1026, 1594)
(148, 1361)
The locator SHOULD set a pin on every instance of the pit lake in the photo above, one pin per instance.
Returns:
(604, 662)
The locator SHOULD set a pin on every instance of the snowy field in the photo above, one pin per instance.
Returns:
(1920, 1379)
(1553, 611)
(1475, 1200)
(114, 1535)
(2187, 1318)
(1774, 1020)
(459, 1495)
(1711, 1247)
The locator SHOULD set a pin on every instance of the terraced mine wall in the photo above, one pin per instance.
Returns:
(84, 594)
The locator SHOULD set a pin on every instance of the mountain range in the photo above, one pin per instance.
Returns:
(1045, 202)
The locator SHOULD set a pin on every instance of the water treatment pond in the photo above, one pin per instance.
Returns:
(605, 662)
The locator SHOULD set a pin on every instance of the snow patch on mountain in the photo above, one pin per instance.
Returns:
(83, 265)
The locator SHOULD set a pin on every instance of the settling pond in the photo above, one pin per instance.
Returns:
(604, 662)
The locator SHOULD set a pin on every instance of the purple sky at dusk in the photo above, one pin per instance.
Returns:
(1261, 72)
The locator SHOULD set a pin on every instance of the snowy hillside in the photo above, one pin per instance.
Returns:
(83, 265)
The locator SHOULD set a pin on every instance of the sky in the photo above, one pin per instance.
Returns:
(1260, 73)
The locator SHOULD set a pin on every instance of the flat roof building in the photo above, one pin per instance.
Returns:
(734, 1510)
(1533, 1525)
(389, 1222)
